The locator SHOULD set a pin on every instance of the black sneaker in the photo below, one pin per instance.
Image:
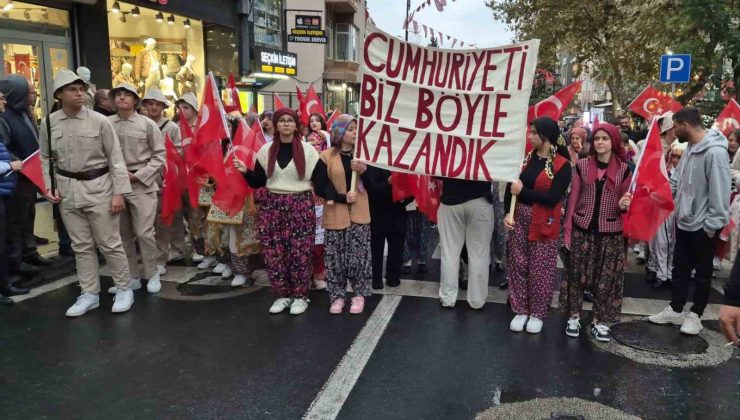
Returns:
(588, 296)
(601, 332)
(573, 328)
(651, 276)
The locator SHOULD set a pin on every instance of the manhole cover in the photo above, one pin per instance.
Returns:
(665, 339)
(565, 417)
(204, 284)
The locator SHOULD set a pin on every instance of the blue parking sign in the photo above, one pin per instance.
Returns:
(675, 68)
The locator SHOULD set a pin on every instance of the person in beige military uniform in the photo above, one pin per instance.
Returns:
(143, 150)
(91, 180)
(170, 239)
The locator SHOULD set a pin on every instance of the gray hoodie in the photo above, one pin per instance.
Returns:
(701, 185)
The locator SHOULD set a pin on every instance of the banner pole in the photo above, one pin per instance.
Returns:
(512, 207)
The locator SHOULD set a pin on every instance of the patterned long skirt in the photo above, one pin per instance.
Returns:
(598, 260)
(348, 258)
(287, 225)
(416, 246)
(531, 267)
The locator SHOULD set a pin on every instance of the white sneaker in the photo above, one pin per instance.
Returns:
(668, 316)
(691, 324)
(641, 255)
(84, 303)
(716, 264)
(176, 256)
(122, 301)
(227, 273)
(219, 268)
(280, 305)
(239, 280)
(197, 257)
(298, 306)
(517, 324)
(154, 285)
(133, 284)
(206, 263)
(534, 325)
(162, 270)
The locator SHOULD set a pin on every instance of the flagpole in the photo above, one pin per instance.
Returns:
(408, 9)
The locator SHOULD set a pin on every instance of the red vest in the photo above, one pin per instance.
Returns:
(610, 218)
(545, 223)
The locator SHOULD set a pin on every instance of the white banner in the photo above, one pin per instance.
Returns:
(450, 113)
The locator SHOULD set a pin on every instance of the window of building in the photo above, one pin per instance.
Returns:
(34, 18)
(221, 51)
(345, 42)
(268, 23)
(329, 39)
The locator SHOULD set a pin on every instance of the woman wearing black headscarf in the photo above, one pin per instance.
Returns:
(532, 238)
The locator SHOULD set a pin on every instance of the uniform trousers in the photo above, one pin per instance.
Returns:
(169, 238)
(93, 226)
(137, 225)
(471, 224)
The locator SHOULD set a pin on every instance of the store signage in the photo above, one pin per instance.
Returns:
(307, 30)
(308, 22)
(275, 62)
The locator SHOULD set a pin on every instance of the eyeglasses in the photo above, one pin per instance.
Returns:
(285, 122)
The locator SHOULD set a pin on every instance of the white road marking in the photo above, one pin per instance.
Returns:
(334, 393)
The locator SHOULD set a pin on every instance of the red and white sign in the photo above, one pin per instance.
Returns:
(450, 113)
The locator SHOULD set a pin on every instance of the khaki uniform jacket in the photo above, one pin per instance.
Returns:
(171, 128)
(143, 150)
(80, 143)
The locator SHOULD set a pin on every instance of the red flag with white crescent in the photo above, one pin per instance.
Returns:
(651, 101)
(729, 118)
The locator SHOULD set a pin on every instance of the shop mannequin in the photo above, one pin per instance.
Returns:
(145, 61)
(155, 75)
(125, 75)
(84, 74)
(167, 85)
(186, 79)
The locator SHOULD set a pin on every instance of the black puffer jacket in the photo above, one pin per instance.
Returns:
(22, 134)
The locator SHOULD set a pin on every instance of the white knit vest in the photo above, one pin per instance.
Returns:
(285, 180)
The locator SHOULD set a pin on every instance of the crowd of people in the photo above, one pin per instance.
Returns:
(323, 220)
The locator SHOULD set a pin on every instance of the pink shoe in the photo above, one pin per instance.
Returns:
(358, 304)
(337, 306)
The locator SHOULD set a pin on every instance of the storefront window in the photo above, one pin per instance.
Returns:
(221, 52)
(150, 48)
(39, 19)
(268, 23)
(346, 42)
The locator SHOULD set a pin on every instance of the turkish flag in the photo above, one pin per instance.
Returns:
(652, 200)
(32, 170)
(235, 103)
(428, 196)
(277, 102)
(651, 101)
(403, 185)
(331, 119)
(247, 142)
(301, 102)
(191, 152)
(728, 119)
(211, 124)
(552, 107)
(233, 189)
(174, 182)
(311, 104)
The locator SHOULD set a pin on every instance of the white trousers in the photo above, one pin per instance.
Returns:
(469, 223)
(661, 249)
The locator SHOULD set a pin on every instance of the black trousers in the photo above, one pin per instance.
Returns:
(393, 263)
(694, 251)
(21, 212)
(3, 254)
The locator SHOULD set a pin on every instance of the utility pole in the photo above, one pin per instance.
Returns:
(408, 9)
